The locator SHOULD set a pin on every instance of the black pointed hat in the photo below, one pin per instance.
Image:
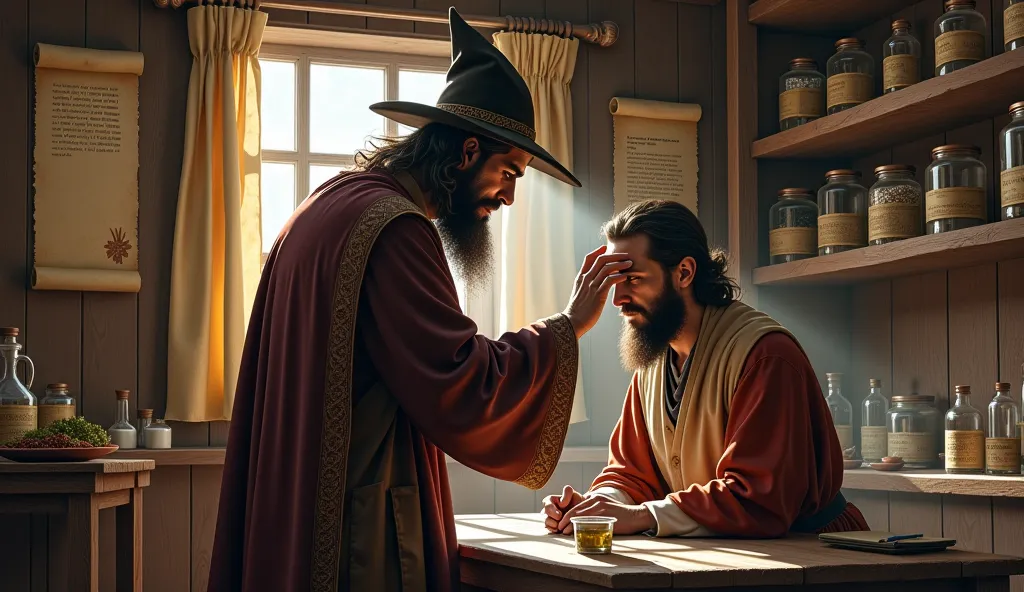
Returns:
(485, 95)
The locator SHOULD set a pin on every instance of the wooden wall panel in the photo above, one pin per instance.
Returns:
(973, 333)
(1011, 322)
(874, 505)
(915, 512)
(968, 519)
(167, 520)
(205, 499)
(919, 346)
(1007, 526)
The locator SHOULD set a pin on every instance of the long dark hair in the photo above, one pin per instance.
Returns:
(435, 150)
(675, 233)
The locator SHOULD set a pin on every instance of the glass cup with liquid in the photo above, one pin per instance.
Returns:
(593, 534)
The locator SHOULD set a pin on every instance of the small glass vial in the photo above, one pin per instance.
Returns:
(122, 432)
(960, 34)
(841, 409)
(965, 440)
(1002, 444)
(56, 404)
(955, 189)
(145, 418)
(914, 428)
(872, 423)
(901, 58)
(19, 411)
(158, 435)
(894, 205)
(1011, 164)
(1013, 24)
(851, 76)
(793, 226)
(842, 213)
(801, 94)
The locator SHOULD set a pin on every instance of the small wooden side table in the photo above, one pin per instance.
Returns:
(73, 493)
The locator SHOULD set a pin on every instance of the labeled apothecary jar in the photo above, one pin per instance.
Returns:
(960, 34)
(851, 76)
(914, 431)
(793, 226)
(842, 212)
(955, 189)
(901, 58)
(801, 94)
(1013, 24)
(894, 205)
(56, 404)
(1011, 164)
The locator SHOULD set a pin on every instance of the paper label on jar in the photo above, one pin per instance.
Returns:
(793, 241)
(51, 413)
(1011, 182)
(955, 202)
(894, 220)
(873, 442)
(845, 433)
(15, 420)
(1013, 22)
(965, 449)
(800, 102)
(900, 71)
(1002, 454)
(849, 89)
(912, 447)
(953, 46)
(841, 230)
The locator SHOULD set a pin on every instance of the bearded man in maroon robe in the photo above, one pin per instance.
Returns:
(360, 371)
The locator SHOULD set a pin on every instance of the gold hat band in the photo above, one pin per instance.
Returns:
(489, 117)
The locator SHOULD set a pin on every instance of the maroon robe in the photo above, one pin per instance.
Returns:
(359, 373)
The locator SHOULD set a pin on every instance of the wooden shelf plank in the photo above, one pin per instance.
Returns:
(934, 481)
(987, 243)
(176, 456)
(977, 92)
(822, 15)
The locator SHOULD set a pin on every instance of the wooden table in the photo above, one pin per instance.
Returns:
(73, 493)
(514, 552)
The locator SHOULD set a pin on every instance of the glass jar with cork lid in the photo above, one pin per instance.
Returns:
(1013, 24)
(1011, 164)
(851, 76)
(842, 212)
(901, 58)
(894, 204)
(793, 226)
(955, 189)
(56, 404)
(801, 94)
(960, 35)
(914, 431)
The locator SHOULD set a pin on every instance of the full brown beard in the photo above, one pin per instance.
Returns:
(640, 346)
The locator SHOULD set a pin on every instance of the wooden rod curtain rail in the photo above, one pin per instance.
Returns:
(603, 34)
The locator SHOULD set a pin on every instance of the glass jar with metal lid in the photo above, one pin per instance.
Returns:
(960, 35)
(1011, 164)
(793, 226)
(56, 404)
(914, 431)
(901, 58)
(1013, 24)
(894, 205)
(801, 94)
(851, 76)
(842, 212)
(955, 189)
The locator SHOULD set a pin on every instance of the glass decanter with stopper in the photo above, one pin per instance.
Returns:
(841, 409)
(122, 432)
(1002, 444)
(965, 450)
(873, 438)
(18, 406)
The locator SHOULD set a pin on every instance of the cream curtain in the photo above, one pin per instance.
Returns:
(216, 259)
(536, 252)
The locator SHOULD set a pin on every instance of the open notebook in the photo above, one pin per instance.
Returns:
(877, 541)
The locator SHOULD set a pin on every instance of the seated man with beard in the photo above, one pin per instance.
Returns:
(724, 430)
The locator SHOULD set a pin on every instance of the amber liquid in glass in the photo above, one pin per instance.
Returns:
(594, 541)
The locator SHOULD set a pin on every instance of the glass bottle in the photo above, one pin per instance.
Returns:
(901, 58)
(851, 76)
(894, 205)
(872, 423)
(1011, 163)
(18, 410)
(841, 409)
(158, 435)
(955, 195)
(1002, 444)
(122, 432)
(793, 226)
(801, 94)
(914, 429)
(842, 213)
(965, 440)
(1013, 25)
(56, 404)
(145, 419)
(960, 34)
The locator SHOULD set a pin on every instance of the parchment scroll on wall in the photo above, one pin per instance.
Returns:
(86, 169)
(655, 151)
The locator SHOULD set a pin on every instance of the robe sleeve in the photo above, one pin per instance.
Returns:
(500, 407)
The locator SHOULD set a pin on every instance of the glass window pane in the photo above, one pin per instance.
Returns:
(278, 105)
(320, 173)
(277, 188)
(340, 121)
(419, 87)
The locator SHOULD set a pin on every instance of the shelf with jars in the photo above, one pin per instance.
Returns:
(935, 481)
